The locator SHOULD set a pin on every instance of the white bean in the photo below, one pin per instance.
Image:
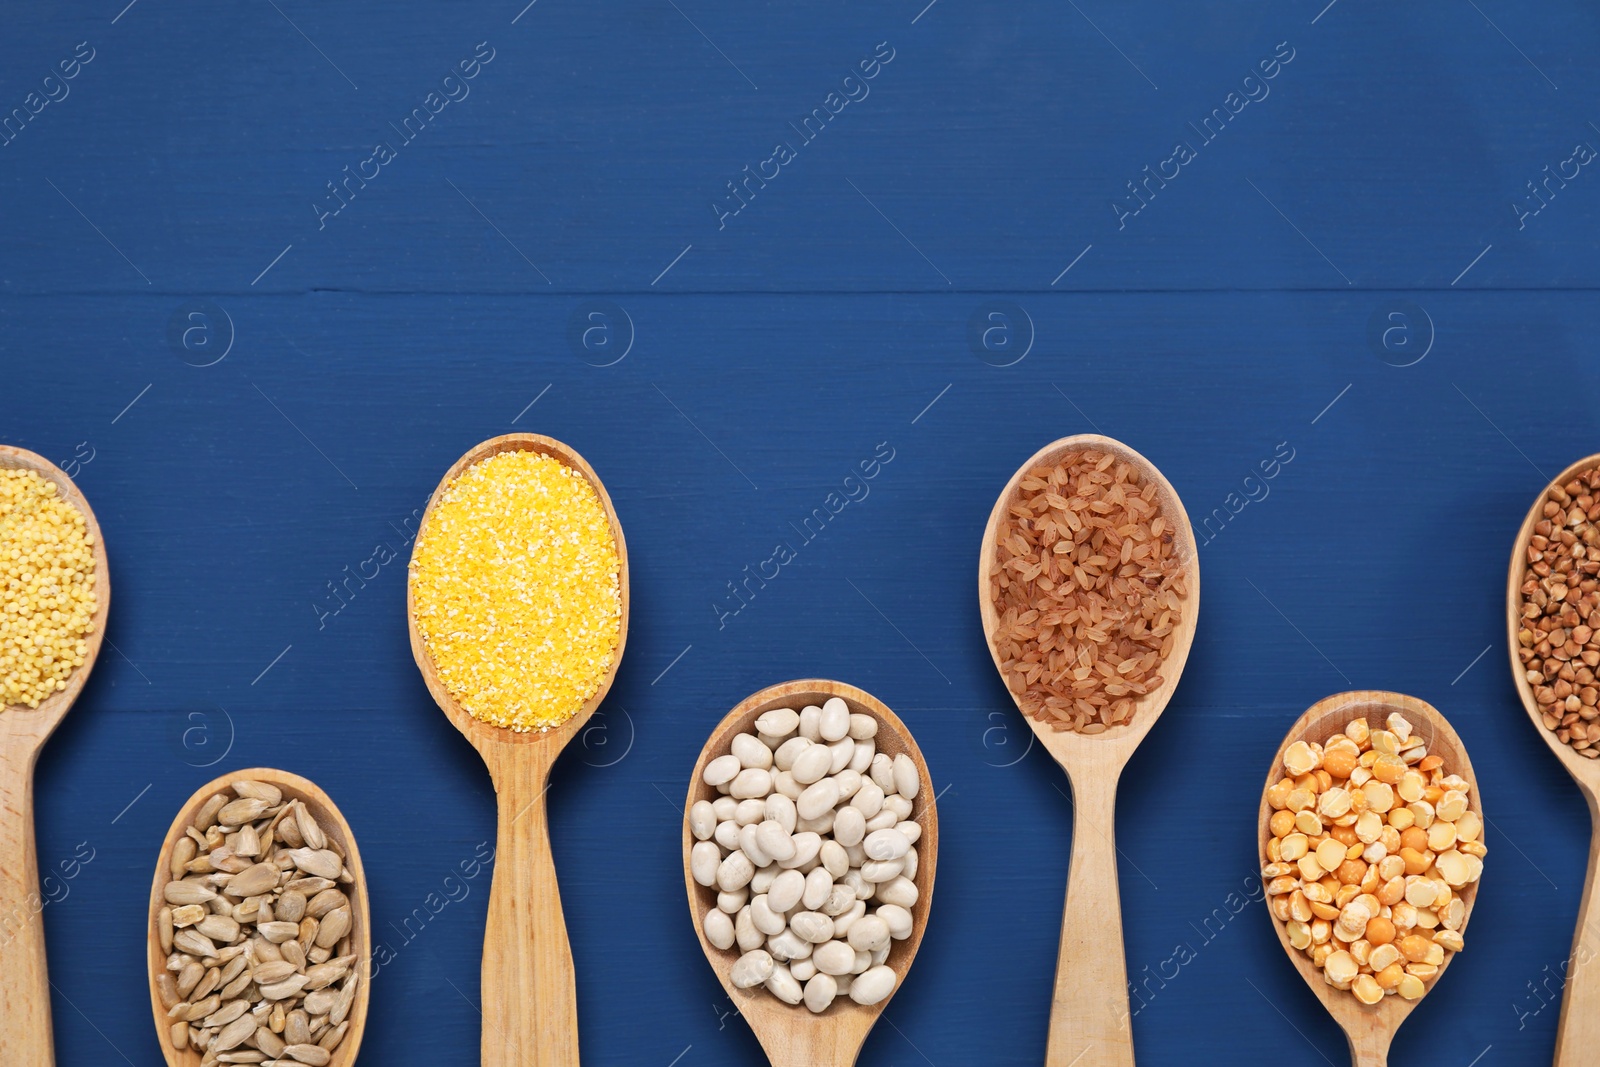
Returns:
(877, 871)
(769, 740)
(898, 920)
(834, 722)
(849, 827)
(906, 781)
(910, 861)
(822, 824)
(843, 751)
(734, 872)
(781, 984)
(863, 961)
(842, 923)
(901, 891)
(911, 829)
(779, 722)
(833, 957)
(868, 799)
(880, 954)
(872, 985)
(763, 879)
(899, 805)
(704, 859)
(776, 842)
(882, 771)
(812, 926)
(745, 932)
(789, 946)
(780, 809)
(784, 758)
(783, 782)
(724, 807)
(732, 902)
(803, 970)
(750, 811)
(751, 752)
(868, 933)
(818, 885)
(886, 844)
(702, 820)
(820, 991)
(721, 770)
(884, 820)
(812, 764)
(861, 761)
(841, 898)
(785, 891)
(810, 722)
(719, 928)
(753, 968)
(767, 921)
(806, 847)
(817, 798)
(862, 726)
(750, 782)
(833, 856)
(752, 847)
(848, 782)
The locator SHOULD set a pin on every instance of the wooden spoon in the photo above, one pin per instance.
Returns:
(530, 1010)
(1578, 1033)
(334, 826)
(24, 985)
(792, 1035)
(1089, 1010)
(1370, 1029)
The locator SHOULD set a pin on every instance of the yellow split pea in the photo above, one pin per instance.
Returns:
(47, 597)
(515, 588)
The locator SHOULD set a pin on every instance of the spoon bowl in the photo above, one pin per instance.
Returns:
(1089, 1016)
(25, 1035)
(1369, 1029)
(530, 1014)
(1578, 1032)
(338, 830)
(792, 1035)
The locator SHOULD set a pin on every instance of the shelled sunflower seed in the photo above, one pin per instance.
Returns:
(257, 928)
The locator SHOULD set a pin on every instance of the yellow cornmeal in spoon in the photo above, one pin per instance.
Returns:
(47, 599)
(514, 583)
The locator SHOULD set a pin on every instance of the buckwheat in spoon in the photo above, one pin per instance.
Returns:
(1553, 632)
(518, 606)
(55, 591)
(1089, 588)
(809, 845)
(1371, 838)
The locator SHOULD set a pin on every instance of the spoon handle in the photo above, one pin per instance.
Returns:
(530, 1007)
(1090, 1024)
(1578, 1034)
(25, 1035)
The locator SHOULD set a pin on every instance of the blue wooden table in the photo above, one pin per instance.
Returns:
(267, 269)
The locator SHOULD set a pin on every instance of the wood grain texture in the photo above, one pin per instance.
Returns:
(25, 1035)
(333, 823)
(1578, 1033)
(791, 1034)
(1089, 1014)
(1369, 1028)
(530, 1005)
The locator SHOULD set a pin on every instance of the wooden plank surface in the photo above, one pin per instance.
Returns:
(258, 511)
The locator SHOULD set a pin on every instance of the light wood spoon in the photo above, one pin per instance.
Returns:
(1089, 1019)
(338, 830)
(1370, 1029)
(1578, 1034)
(791, 1035)
(24, 984)
(530, 1008)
